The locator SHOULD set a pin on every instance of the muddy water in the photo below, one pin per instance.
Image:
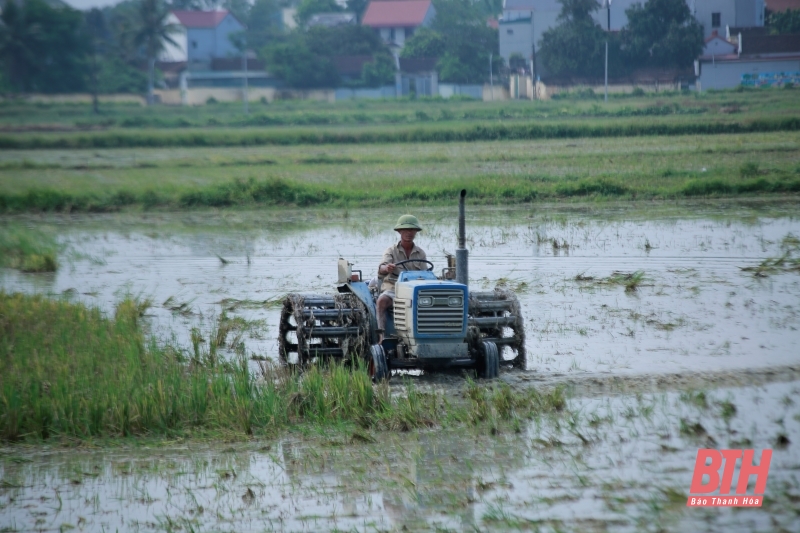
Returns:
(621, 463)
(694, 310)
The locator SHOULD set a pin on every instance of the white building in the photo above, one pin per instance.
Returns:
(524, 21)
(396, 20)
(202, 36)
(756, 60)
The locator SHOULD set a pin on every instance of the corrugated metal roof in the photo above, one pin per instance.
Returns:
(396, 13)
(771, 44)
(418, 64)
(200, 19)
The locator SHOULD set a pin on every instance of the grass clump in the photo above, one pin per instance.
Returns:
(68, 371)
(630, 280)
(27, 250)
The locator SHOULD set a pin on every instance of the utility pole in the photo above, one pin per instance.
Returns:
(608, 31)
(244, 68)
(491, 76)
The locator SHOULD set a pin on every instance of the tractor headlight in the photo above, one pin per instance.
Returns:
(455, 301)
(425, 301)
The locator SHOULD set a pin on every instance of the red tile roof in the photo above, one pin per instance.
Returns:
(200, 19)
(779, 6)
(396, 13)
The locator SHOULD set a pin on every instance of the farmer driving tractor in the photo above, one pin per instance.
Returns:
(405, 250)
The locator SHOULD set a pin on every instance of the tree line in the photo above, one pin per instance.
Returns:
(113, 50)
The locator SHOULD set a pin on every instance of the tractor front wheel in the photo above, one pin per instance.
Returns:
(377, 366)
(488, 361)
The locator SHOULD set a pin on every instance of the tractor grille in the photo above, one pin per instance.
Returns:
(440, 317)
(400, 315)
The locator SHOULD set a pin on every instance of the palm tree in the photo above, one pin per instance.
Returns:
(153, 35)
(18, 42)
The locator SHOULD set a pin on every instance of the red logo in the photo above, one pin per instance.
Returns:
(719, 466)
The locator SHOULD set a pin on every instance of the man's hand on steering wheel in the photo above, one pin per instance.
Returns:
(390, 267)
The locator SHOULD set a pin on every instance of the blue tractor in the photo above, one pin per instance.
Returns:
(436, 322)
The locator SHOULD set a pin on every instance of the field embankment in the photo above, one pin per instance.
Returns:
(427, 133)
(372, 175)
(349, 154)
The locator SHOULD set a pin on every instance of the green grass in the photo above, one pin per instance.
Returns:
(27, 250)
(68, 371)
(18, 117)
(372, 175)
(573, 128)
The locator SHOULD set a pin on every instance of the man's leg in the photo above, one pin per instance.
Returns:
(385, 302)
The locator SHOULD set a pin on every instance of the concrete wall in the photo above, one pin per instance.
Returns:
(516, 37)
(448, 90)
(223, 46)
(200, 95)
(80, 98)
(728, 74)
(388, 91)
(522, 88)
(206, 43)
(494, 94)
(719, 47)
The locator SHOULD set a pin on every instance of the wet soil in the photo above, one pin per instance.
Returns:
(652, 373)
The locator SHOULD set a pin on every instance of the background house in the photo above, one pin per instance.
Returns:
(332, 20)
(396, 20)
(203, 36)
(716, 45)
(779, 6)
(524, 21)
(758, 60)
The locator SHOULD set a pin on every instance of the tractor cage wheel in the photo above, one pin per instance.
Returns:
(497, 316)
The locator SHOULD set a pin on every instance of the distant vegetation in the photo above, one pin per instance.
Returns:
(366, 153)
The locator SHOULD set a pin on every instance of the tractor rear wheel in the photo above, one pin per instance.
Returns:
(497, 316)
(377, 367)
(321, 327)
(489, 361)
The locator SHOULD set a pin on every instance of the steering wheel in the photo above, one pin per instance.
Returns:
(400, 263)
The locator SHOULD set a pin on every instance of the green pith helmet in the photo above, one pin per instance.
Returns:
(407, 222)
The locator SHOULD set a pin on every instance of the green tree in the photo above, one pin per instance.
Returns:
(380, 71)
(344, 40)
(293, 62)
(460, 38)
(263, 23)
(662, 33)
(424, 43)
(576, 46)
(153, 34)
(307, 8)
(358, 7)
(784, 23)
(303, 59)
(42, 48)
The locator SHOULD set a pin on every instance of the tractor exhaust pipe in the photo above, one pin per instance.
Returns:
(462, 266)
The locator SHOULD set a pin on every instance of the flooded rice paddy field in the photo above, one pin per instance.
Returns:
(631, 305)
(603, 289)
(618, 463)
